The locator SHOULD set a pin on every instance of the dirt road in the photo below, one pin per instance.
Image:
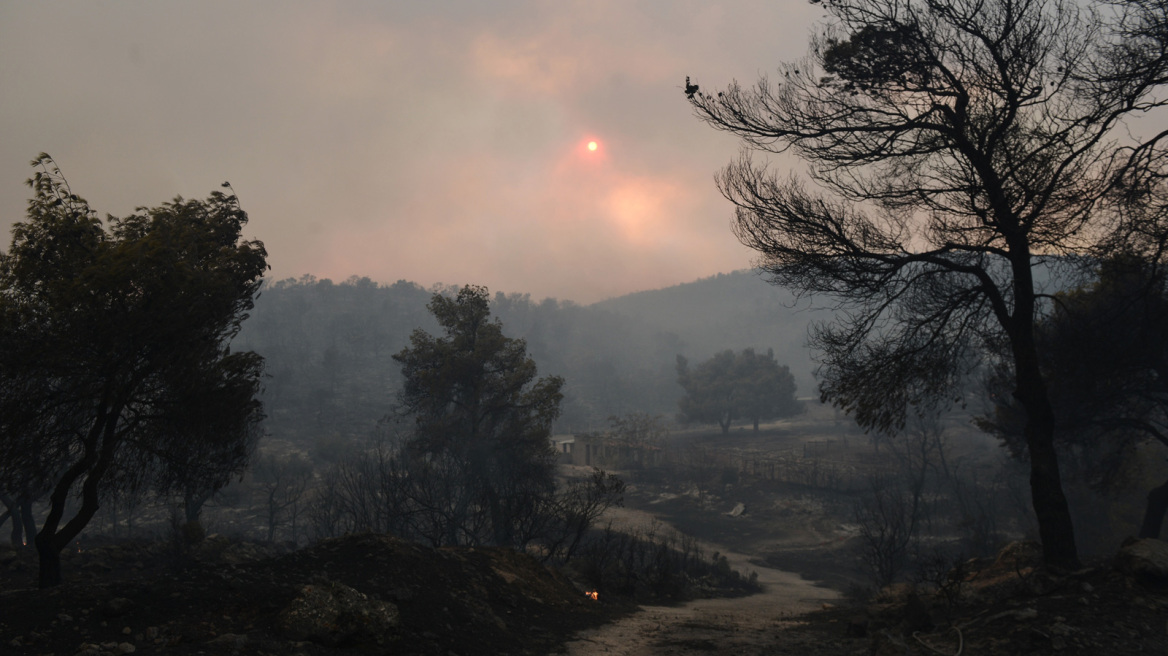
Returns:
(743, 626)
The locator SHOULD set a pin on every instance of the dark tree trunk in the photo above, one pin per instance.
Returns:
(53, 537)
(49, 558)
(193, 502)
(26, 519)
(17, 525)
(1055, 528)
(1154, 512)
(18, 532)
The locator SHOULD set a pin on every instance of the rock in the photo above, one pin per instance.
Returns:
(1062, 629)
(230, 640)
(1019, 555)
(1146, 560)
(126, 648)
(334, 614)
(117, 606)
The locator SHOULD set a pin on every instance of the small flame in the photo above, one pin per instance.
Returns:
(593, 595)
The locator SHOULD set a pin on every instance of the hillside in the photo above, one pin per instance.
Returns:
(730, 310)
(329, 347)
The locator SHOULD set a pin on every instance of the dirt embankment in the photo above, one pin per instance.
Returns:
(358, 594)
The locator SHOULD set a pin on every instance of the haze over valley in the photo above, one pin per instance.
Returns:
(752, 327)
(328, 346)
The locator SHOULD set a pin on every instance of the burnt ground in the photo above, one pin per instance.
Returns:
(1009, 606)
(139, 597)
(228, 598)
(1001, 607)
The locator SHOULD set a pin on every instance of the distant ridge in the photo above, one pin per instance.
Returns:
(732, 310)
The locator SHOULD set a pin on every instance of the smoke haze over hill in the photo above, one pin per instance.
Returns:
(329, 346)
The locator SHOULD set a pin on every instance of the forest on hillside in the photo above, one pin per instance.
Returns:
(328, 347)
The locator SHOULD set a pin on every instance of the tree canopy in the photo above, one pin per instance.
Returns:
(730, 386)
(950, 147)
(115, 371)
(481, 419)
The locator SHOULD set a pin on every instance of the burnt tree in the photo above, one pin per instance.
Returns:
(949, 148)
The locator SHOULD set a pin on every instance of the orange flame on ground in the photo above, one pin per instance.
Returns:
(593, 595)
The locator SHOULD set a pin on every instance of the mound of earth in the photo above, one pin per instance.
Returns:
(358, 594)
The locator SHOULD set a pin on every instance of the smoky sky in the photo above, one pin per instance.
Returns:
(427, 141)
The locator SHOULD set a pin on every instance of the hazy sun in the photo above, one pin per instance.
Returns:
(592, 145)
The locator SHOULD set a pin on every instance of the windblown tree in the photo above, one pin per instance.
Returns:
(1104, 352)
(950, 147)
(114, 364)
(729, 386)
(482, 423)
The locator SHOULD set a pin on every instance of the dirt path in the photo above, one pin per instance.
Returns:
(743, 626)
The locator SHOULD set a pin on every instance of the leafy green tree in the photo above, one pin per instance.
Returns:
(952, 147)
(482, 421)
(114, 367)
(728, 386)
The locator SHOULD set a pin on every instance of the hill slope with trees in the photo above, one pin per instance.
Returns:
(329, 347)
